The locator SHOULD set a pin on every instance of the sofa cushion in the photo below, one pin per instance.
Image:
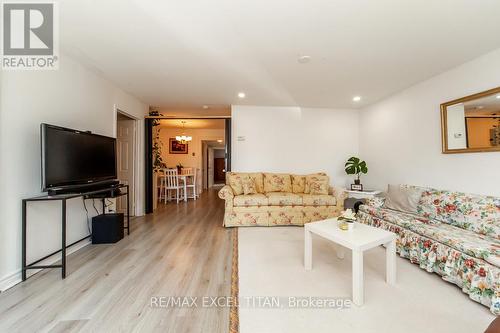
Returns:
(277, 182)
(248, 216)
(475, 245)
(318, 200)
(319, 213)
(285, 215)
(249, 186)
(477, 213)
(298, 183)
(234, 179)
(315, 178)
(404, 199)
(284, 199)
(248, 200)
(469, 242)
(401, 219)
(319, 186)
(258, 178)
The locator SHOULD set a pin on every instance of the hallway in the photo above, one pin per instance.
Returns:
(180, 250)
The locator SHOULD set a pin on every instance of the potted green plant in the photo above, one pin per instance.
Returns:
(158, 162)
(354, 166)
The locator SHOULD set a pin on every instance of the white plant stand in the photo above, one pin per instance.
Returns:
(356, 198)
(362, 194)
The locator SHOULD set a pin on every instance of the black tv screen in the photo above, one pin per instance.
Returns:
(71, 157)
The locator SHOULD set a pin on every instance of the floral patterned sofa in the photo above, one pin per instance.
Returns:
(280, 199)
(455, 235)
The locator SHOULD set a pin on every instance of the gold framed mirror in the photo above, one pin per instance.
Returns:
(471, 124)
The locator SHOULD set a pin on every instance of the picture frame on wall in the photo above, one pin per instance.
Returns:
(176, 147)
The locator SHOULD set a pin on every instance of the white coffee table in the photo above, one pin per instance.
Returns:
(361, 238)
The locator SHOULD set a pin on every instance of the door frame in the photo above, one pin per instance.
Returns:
(135, 161)
(148, 163)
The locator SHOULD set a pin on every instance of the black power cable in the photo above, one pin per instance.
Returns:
(87, 212)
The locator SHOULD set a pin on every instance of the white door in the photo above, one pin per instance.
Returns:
(210, 167)
(204, 165)
(125, 138)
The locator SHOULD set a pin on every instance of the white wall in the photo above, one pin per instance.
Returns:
(294, 140)
(74, 97)
(400, 137)
(195, 146)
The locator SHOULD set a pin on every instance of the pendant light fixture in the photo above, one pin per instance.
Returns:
(183, 138)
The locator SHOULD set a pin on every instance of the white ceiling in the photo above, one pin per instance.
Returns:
(193, 52)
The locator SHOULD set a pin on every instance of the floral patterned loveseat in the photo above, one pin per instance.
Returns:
(280, 199)
(453, 234)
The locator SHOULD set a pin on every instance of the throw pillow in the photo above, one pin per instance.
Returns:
(298, 183)
(317, 187)
(315, 178)
(404, 199)
(277, 182)
(234, 181)
(259, 181)
(249, 186)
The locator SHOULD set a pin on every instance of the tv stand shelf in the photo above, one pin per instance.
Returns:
(104, 193)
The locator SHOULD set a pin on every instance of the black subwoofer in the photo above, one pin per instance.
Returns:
(107, 228)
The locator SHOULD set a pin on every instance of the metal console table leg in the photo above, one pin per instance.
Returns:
(63, 239)
(23, 268)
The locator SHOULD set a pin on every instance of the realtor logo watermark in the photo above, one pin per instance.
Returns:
(30, 36)
(260, 302)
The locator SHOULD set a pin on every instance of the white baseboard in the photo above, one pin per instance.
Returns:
(12, 279)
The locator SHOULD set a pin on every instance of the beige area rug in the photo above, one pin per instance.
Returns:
(271, 264)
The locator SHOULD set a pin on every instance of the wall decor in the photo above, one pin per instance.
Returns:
(471, 124)
(177, 147)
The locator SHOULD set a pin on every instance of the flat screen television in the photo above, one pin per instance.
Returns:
(73, 159)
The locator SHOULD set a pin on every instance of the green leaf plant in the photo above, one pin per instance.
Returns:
(354, 166)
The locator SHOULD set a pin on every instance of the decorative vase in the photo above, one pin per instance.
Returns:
(346, 225)
(357, 181)
(343, 225)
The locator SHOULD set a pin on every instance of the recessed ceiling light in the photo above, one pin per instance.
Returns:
(498, 96)
(219, 141)
(206, 107)
(479, 107)
(241, 95)
(356, 98)
(304, 59)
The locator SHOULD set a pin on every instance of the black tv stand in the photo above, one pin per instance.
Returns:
(111, 191)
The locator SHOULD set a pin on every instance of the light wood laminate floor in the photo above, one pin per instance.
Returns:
(180, 250)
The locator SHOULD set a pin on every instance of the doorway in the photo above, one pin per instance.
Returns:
(219, 167)
(214, 163)
(202, 145)
(126, 143)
